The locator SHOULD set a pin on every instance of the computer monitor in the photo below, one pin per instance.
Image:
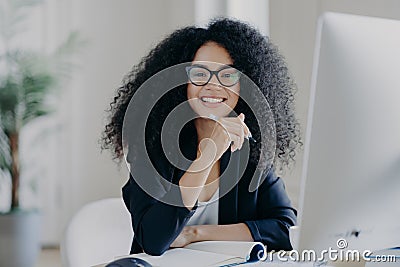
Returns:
(351, 173)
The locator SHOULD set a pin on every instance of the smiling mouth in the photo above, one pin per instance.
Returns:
(212, 100)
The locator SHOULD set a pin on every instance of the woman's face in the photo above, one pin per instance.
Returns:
(213, 98)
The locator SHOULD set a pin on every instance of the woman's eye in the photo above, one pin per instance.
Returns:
(199, 74)
(229, 75)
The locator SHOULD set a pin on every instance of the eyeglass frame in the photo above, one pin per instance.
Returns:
(212, 72)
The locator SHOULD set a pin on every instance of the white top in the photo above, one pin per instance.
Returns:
(206, 212)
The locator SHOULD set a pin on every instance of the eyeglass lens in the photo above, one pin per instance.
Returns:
(201, 75)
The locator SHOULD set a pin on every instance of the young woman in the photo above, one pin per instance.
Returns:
(211, 206)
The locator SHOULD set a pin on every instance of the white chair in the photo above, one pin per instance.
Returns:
(97, 233)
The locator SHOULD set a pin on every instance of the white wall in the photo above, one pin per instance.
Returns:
(293, 27)
(119, 34)
(72, 170)
(254, 12)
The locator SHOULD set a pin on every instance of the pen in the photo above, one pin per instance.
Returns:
(250, 137)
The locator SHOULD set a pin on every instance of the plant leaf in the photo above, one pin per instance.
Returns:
(5, 155)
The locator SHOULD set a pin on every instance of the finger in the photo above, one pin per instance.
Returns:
(246, 129)
(241, 139)
(237, 130)
(237, 120)
(241, 117)
(236, 142)
(232, 142)
(235, 123)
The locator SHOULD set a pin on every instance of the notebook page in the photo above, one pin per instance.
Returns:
(181, 257)
(244, 250)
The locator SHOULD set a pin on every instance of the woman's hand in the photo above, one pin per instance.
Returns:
(187, 236)
(227, 232)
(237, 130)
(228, 132)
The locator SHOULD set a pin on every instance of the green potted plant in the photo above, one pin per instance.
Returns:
(27, 78)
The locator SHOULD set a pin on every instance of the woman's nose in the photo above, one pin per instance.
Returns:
(214, 82)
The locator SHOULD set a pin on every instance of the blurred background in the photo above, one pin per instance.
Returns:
(65, 168)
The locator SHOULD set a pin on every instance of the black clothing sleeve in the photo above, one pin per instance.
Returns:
(275, 215)
(155, 223)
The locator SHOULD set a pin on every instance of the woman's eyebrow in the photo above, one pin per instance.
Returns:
(224, 66)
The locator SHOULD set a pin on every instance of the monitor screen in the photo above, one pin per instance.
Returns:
(351, 173)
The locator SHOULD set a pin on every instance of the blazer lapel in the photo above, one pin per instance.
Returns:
(228, 188)
(188, 147)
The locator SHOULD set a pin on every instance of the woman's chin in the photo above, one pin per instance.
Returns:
(213, 113)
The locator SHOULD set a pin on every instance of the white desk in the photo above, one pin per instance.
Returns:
(176, 261)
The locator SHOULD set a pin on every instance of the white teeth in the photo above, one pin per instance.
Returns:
(212, 100)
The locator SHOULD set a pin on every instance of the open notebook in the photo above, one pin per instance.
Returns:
(208, 253)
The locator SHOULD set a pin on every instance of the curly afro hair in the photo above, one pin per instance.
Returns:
(252, 53)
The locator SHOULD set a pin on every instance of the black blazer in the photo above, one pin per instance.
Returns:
(267, 211)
